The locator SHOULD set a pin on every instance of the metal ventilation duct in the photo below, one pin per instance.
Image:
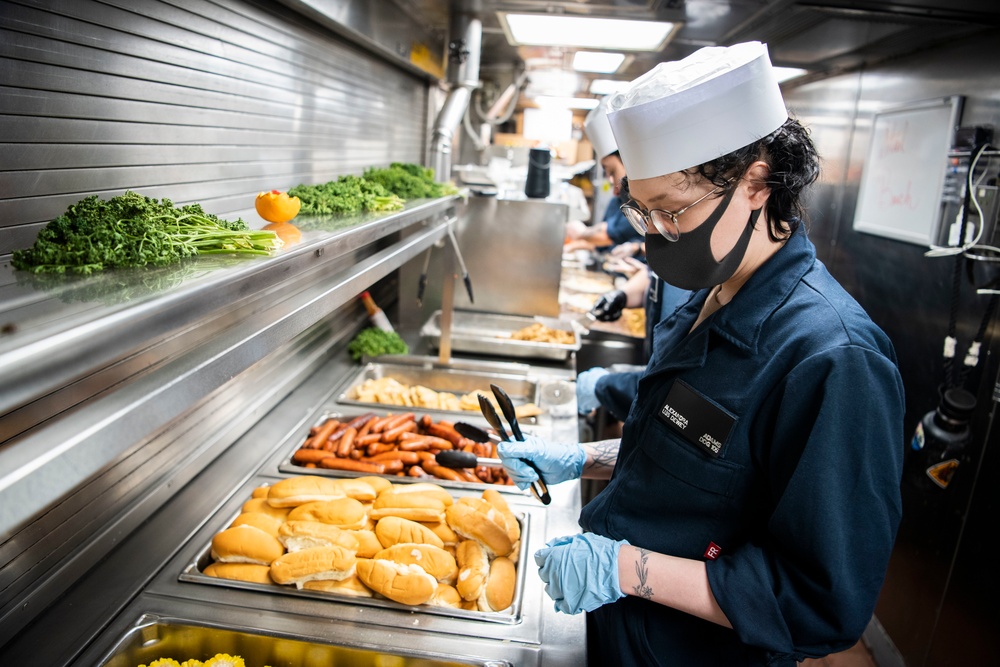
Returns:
(464, 49)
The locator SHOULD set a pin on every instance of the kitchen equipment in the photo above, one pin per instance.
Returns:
(537, 185)
(507, 408)
(490, 333)
(538, 488)
(475, 433)
(453, 458)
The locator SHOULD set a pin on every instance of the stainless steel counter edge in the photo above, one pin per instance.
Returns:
(89, 614)
(36, 362)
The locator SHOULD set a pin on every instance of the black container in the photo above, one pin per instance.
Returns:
(537, 184)
(940, 440)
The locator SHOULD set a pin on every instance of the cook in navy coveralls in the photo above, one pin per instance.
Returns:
(754, 496)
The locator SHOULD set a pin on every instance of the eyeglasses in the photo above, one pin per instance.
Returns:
(664, 221)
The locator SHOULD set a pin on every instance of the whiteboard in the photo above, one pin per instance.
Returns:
(903, 177)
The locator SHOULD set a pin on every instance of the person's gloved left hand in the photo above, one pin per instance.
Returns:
(580, 571)
(586, 390)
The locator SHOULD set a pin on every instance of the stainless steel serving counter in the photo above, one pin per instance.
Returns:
(135, 414)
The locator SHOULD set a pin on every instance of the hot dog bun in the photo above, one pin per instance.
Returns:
(415, 506)
(245, 544)
(299, 535)
(435, 561)
(269, 524)
(393, 530)
(296, 491)
(427, 488)
(380, 484)
(406, 584)
(346, 513)
(349, 586)
(495, 498)
(473, 569)
(313, 564)
(261, 505)
(255, 574)
(499, 593)
(444, 531)
(368, 543)
(476, 519)
(446, 595)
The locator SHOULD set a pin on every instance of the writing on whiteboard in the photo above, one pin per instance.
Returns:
(893, 140)
(893, 195)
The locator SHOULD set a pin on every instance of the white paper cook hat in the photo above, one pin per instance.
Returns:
(687, 112)
(598, 129)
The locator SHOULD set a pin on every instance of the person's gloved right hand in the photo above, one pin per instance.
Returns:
(586, 390)
(557, 462)
(609, 307)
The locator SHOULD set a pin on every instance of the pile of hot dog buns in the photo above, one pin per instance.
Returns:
(412, 543)
(390, 391)
(394, 444)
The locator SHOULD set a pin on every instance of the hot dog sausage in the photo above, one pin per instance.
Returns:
(333, 463)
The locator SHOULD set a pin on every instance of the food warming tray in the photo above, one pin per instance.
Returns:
(153, 636)
(193, 572)
(521, 388)
(489, 333)
(298, 438)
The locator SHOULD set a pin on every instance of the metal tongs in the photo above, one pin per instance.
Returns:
(539, 489)
(422, 282)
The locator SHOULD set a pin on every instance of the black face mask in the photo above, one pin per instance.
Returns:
(688, 262)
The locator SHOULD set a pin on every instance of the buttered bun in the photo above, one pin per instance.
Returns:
(255, 574)
(313, 564)
(298, 535)
(476, 519)
(473, 569)
(499, 593)
(393, 530)
(345, 512)
(245, 544)
(435, 561)
(405, 584)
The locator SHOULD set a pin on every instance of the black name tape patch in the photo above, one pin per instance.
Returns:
(700, 421)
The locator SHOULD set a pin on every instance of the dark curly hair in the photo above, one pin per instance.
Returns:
(793, 163)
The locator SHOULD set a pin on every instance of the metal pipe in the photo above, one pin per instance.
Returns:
(464, 50)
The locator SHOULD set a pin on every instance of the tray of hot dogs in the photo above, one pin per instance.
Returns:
(372, 542)
(402, 445)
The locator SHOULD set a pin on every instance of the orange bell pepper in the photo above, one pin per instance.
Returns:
(277, 206)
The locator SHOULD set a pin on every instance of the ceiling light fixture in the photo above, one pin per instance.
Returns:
(603, 62)
(585, 32)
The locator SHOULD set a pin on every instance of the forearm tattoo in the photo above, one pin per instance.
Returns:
(603, 454)
(642, 572)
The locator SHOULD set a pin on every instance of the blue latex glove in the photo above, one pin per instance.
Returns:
(586, 390)
(556, 462)
(580, 571)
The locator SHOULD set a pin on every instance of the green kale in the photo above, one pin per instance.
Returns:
(131, 230)
(409, 181)
(373, 342)
(347, 194)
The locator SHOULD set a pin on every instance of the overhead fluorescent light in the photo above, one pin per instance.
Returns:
(607, 86)
(786, 73)
(603, 62)
(566, 102)
(585, 32)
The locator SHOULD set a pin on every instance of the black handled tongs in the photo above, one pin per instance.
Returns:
(461, 263)
(539, 489)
